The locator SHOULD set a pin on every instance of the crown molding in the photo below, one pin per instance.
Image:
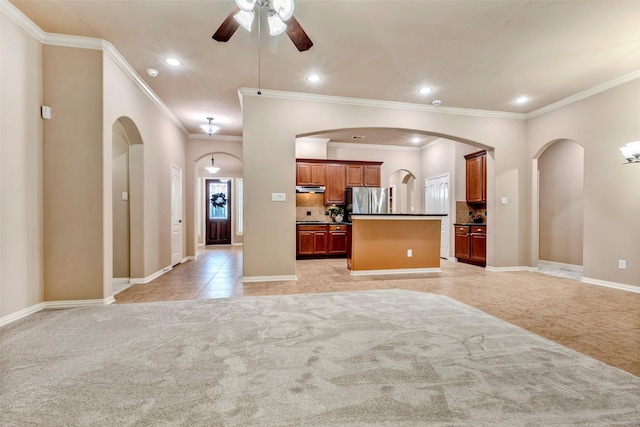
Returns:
(366, 146)
(215, 137)
(89, 43)
(21, 19)
(298, 96)
(584, 94)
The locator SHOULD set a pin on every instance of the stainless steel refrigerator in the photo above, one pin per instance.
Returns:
(368, 200)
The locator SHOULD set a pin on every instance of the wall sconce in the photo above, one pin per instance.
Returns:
(631, 152)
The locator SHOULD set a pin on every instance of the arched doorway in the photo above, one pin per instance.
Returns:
(228, 180)
(127, 201)
(402, 183)
(561, 209)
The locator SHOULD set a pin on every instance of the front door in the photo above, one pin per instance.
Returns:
(218, 211)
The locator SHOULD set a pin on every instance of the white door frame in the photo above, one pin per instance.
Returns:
(441, 201)
(176, 215)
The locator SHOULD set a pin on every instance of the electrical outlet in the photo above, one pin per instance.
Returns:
(622, 264)
(409, 253)
(308, 213)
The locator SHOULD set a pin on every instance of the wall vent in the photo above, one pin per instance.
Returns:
(357, 137)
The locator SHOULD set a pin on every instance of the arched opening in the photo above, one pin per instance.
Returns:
(561, 209)
(127, 201)
(209, 224)
(402, 183)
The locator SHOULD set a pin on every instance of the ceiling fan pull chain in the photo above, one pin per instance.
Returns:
(259, 49)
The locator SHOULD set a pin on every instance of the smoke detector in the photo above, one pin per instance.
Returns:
(357, 137)
(436, 102)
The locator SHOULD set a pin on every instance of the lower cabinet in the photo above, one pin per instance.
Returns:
(471, 244)
(320, 241)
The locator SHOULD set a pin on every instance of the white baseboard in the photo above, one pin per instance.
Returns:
(395, 271)
(452, 259)
(55, 305)
(284, 278)
(187, 258)
(512, 268)
(143, 280)
(614, 285)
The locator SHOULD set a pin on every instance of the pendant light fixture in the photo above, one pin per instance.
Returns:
(210, 128)
(212, 169)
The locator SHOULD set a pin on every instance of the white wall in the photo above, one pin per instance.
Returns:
(269, 248)
(21, 256)
(601, 124)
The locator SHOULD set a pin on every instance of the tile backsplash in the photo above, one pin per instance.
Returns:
(464, 212)
(313, 203)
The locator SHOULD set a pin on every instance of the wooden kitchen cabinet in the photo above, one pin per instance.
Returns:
(476, 168)
(471, 244)
(363, 175)
(354, 175)
(336, 182)
(371, 174)
(310, 173)
(312, 240)
(337, 239)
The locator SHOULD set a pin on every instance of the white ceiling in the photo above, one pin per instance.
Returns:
(475, 54)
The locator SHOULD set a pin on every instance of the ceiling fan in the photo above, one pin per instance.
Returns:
(279, 17)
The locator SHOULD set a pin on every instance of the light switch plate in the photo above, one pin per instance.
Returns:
(504, 201)
(278, 197)
(125, 195)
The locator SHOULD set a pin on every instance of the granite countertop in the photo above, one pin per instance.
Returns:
(321, 223)
(396, 214)
(470, 223)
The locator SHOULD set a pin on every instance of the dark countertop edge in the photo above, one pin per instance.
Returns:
(471, 223)
(321, 223)
(395, 214)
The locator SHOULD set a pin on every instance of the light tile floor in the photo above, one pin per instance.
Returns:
(601, 322)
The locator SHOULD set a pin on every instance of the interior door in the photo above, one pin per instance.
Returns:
(176, 215)
(437, 202)
(218, 212)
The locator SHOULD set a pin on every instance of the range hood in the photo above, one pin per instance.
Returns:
(309, 189)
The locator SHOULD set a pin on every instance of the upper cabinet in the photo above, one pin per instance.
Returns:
(476, 177)
(363, 175)
(336, 175)
(336, 179)
(310, 173)
(371, 175)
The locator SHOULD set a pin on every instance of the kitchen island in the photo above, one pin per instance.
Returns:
(394, 243)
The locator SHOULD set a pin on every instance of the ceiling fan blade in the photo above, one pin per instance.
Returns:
(297, 35)
(228, 27)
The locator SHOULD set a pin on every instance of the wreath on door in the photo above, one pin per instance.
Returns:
(218, 200)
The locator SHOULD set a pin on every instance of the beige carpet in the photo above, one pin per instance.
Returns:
(388, 357)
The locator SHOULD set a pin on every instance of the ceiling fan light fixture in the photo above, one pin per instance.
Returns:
(246, 5)
(284, 8)
(245, 19)
(209, 127)
(276, 26)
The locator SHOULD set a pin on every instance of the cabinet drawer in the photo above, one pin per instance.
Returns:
(462, 229)
(312, 228)
(478, 230)
(338, 227)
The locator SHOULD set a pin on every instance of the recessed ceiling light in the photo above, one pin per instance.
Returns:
(521, 100)
(173, 61)
(313, 78)
(425, 90)
(152, 72)
(415, 140)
